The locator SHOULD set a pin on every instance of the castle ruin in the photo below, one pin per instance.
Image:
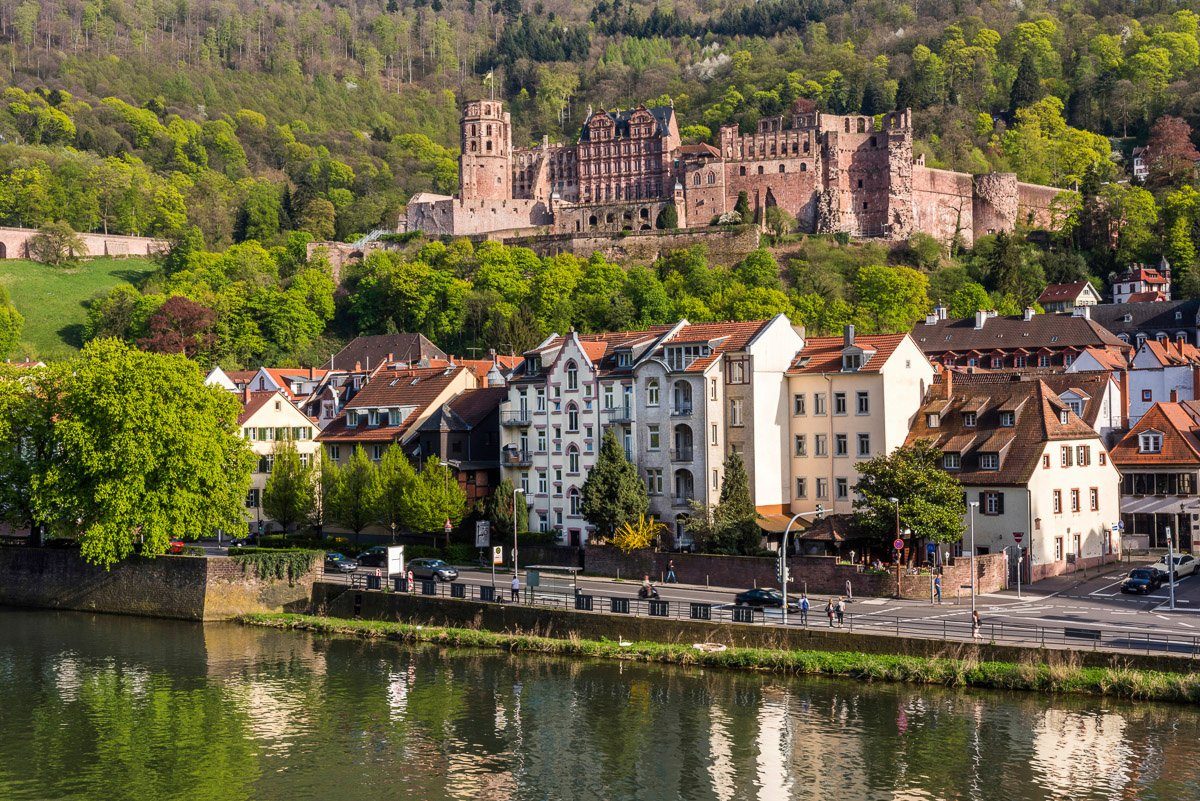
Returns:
(832, 173)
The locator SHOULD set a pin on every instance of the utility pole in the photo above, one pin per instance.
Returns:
(1171, 565)
(971, 507)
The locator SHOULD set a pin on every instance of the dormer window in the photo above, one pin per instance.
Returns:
(989, 461)
(1008, 419)
(933, 420)
(851, 362)
(533, 365)
(951, 461)
(1064, 416)
(1150, 442)
(624, 358)
(681, 357)
(352, 418)
(373, 417)
(969, 419)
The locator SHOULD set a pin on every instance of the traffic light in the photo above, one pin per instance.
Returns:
(781, 569)
(820, 512)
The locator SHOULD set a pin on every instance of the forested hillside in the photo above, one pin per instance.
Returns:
(217, 123)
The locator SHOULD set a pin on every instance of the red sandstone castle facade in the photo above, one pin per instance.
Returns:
(832, 173)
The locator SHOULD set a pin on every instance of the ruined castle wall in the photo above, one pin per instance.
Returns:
(943, 203)
(857, 179)
(704, 192)
(453, 217)
(609, 218)
(994, 204)
(1034, 205)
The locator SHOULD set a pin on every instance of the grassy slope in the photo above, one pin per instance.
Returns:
(52, 298)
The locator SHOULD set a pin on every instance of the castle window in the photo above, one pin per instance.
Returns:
(712, 179)
(806, 146)
(741, 170)
(760, 169)
(864, 205)
(803, 167)
(860, 183)
(696, 179)
(489, 130)
(488, 146)
(782, 168)
(872, 141)
(472, 147)
(471, 129)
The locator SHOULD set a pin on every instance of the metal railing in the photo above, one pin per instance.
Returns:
(1095, 638)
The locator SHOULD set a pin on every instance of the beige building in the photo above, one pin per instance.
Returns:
(268, 418)
(852, 398)
(1033, 467)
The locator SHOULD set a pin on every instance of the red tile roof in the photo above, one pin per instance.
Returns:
(1058, 293)
(408, 388)
(1170, 354)
(1108, 359)
(1153, 296)
(724, 338)
(256, 401)
(824, 354)
(1180, 445)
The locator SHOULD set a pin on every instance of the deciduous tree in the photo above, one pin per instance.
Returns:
(290, 494)
(931, 500)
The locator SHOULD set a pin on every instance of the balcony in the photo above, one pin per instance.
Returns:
(681, 410)
(512, 457)
(518, 418)
(682, 501)
(681, 454)
(620, 414)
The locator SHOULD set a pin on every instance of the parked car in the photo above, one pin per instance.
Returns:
(1142, 579)
(176, 546)
(1185, 565)
(245, 541)
(432, 569)
(339, 563)
(763, 597)
(375, 556)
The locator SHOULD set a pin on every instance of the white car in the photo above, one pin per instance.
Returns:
(1185, 565)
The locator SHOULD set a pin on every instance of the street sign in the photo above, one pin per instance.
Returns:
(1018, 536)
(448, 527)
(483, 533)
(498, 555)
(898, 544)
(395, 560)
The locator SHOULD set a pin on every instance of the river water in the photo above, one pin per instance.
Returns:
(108, 708)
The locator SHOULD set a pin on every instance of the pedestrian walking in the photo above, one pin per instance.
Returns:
(804, 610)
(937, 589)
(840, 611)
(516, 588)
(976, 626)
(829, 611)
(670, 579)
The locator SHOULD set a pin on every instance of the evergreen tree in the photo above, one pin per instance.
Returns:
(668, 218)
(1027, 87)
(735, 518)
(613, 493)
(742, 206)
(290, 495)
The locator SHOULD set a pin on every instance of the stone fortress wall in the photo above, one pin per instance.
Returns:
(849, 174)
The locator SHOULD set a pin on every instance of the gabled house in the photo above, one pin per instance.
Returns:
(1159, 460)
(1142, 284)
(1137, 322)
(268, 418)
(390, 407)
(366, 352)
(1066, 297)
(1031, 465)
(464, 433)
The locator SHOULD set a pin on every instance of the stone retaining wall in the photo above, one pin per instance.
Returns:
(185, 587)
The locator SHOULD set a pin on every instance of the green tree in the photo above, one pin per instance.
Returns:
(290, 494)
(437, 498)
(742, 206)
(890, 299)
(931, 500)
(354, 501)
(1027, 87)
(397, 488)
(57, 244)
(145, 452)
(613, 493)
(668, 218)
(26, 445)
(968, 299)
(11, 324)
(735, 517)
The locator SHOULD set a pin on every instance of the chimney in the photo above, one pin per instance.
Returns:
(848, 336)
(312, 373)
(358, 367)
(246, 394)
(980, 318)
(948, 376)
(942, 312)
(1029, 312)
(1125, 394)
(391, 357)
(1174, 396)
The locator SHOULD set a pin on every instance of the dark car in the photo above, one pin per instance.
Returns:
(245, 541)
(431, 569)
(339, 563)
(763, 597)
(373, 557)
(1142, 579)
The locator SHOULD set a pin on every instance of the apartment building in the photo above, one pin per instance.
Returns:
(851, 398)
(1160, 371)
(1032, 466)
(268, 418)
(679, 397)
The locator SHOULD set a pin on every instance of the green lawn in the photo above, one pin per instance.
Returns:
(52, 298)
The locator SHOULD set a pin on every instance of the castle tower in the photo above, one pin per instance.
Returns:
(485, 166)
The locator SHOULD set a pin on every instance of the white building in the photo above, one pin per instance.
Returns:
(1142, 284)
(268, 418)
(851, 398)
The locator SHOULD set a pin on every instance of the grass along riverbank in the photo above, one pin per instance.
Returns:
(947, 672)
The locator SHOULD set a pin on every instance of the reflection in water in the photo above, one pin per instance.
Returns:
(95, 707)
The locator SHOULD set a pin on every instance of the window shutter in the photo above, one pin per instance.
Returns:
(999, 503)
(983, 502)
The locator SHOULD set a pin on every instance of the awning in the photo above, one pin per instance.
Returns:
(1154, 504)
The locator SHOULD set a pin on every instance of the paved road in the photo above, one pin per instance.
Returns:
(1082, 601)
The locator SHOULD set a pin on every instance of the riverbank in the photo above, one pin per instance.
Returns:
(947, 672)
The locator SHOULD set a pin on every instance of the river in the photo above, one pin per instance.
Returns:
(110, 708)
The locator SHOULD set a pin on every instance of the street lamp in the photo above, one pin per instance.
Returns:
(818, 514)
(972, 506)
(516, 524)
(899, 554)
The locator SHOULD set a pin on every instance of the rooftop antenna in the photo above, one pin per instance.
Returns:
(472, 351)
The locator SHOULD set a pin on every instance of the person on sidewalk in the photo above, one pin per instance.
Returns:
(516, 588)
(937, 589)
(670, 579)
(829, 611)
(976, 626)
(840, 611)
(803, 609)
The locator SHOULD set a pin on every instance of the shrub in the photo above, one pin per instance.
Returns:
(276, 563)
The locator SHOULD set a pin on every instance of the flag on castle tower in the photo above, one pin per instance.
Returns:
(489, 80)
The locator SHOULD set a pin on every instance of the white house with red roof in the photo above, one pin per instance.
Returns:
(1142, 284)
(851, 398)
(268, 418)
(1066, 297)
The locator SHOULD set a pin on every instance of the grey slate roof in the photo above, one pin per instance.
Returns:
(1149, 318)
